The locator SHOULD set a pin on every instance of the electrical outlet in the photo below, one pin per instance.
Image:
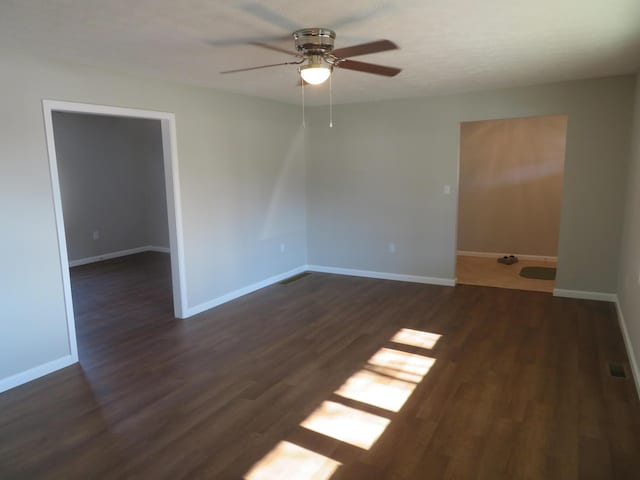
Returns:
(392, 248)
(96, 234)
(282, 247)
(447, 189)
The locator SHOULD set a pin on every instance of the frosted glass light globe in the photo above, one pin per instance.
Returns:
(315, 74)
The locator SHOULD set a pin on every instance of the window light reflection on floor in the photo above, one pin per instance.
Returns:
(378, 390)
(288, 460)
(401, 365)
(346, 424)
(386, 381)
(416, 338)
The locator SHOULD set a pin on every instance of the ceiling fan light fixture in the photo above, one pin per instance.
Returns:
(315, 74)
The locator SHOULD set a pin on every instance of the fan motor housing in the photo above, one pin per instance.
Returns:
(314, 41)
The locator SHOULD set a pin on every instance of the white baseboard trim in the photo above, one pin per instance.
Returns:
(36, 372)
(629, 347)
(243, 291)
(119, 253)
(522, 256)
(448, 282)
(604, 297)
(155, 248)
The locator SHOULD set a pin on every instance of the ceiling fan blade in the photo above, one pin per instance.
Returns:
(363, 15)
(369, 68)
(274, 48)
(258, 68)
(229, 42)
(364, 49)
(274, 18)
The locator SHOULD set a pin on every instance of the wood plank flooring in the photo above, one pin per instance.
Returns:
(489, 273)
(499, 384)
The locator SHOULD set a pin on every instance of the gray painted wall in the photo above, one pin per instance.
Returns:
(629, 279)
(241, 164)
(112, 181)
(377, 177)
(510, 188)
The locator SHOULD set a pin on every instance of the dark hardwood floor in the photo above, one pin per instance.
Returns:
(360, 378)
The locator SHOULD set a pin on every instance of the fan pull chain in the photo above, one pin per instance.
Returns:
(304, 124)
(330, 103)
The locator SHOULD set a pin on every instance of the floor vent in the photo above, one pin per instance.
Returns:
(289, 280)
(616, 370)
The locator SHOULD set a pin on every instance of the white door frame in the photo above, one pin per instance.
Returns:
(172, 184)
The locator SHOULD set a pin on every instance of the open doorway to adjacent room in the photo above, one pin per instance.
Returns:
(115, 186)
(510, 195)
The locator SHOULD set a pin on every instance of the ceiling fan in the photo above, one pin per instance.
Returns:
(317, 58)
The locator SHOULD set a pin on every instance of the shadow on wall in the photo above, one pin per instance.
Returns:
(513, 218)
(284, 201)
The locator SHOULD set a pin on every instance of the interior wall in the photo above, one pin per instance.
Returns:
(378, 176)
(112, 182)
(241, 167)
(511, 174)
(629, 279)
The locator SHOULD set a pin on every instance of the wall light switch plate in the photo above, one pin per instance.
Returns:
(392, 248)
(96, 234)
(447, 190)
(282, 247)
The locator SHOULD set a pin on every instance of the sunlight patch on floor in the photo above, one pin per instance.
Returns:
(378, 390)
(288, 460)
(401, 365)
(416, 338)
(346, 424)
(386, 381)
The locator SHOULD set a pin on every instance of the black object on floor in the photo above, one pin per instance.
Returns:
(508, 259)
(616, 370)
(539, 273)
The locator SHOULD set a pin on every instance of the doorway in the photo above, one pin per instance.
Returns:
(169, 182)
(510, 193)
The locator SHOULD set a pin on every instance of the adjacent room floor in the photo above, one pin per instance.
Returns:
(489, 273)
(345, 377)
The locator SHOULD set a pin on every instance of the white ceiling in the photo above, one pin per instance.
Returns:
(446, 46)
